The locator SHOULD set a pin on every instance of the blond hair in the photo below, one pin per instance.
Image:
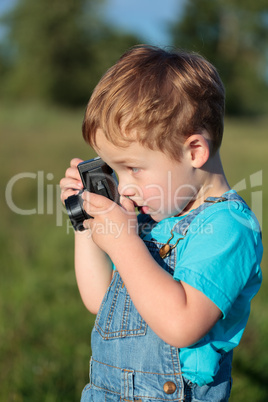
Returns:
(162, 96)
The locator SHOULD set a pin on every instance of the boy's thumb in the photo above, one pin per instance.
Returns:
(127, 204)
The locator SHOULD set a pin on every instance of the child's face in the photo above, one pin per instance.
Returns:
(159, 186)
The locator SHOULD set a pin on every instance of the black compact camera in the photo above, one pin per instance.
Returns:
(97, 177)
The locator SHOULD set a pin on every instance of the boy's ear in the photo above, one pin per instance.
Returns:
(198, 149)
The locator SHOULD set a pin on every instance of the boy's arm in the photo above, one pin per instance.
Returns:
(93, 270)
(92, 265)
(178, 313)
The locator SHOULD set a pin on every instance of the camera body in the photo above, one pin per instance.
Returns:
(97, 177)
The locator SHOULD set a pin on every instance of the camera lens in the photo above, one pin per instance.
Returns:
(77, 215)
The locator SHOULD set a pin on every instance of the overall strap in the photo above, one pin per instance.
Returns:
(182, 226)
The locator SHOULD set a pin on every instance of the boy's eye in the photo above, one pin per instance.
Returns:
(134, 169)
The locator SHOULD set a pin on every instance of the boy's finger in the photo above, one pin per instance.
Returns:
(75, 161)
(68, 193)
(127, 204)
(67, 182)
(96, 200)
(72, 173)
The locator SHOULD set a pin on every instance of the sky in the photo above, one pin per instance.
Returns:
(147, 18)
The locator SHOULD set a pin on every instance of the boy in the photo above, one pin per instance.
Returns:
(172, 286)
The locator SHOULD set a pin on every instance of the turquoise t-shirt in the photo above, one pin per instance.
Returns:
(220, 255)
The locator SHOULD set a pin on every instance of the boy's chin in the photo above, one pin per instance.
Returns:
(157, 217)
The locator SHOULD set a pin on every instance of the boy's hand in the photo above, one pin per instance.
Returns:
(113, 225)
(71, 184)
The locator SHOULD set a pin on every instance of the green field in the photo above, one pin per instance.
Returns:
(45, 329)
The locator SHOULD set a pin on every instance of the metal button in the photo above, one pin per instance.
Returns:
(169, 387)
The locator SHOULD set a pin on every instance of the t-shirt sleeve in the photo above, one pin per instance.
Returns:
(221, 256)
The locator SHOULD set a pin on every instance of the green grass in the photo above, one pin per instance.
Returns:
(45, 330)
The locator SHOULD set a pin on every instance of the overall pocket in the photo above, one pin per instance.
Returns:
(118, 317)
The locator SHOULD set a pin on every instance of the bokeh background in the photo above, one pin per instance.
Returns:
(52, 54)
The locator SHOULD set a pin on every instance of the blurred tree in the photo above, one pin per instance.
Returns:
(233, 35)
(59, 50)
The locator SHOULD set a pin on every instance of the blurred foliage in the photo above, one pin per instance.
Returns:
(57, 50)
(232, 35)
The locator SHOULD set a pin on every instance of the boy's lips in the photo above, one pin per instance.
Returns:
(144, 209)
(141, 208)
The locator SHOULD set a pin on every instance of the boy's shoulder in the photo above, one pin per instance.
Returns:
(229, 213)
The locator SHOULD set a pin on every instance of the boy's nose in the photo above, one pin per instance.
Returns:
(128, 190)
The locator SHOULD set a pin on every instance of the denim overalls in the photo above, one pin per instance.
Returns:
(130, 362)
